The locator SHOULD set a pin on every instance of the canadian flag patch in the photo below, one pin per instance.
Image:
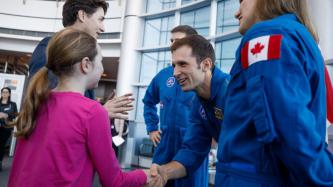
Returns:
(260, 49)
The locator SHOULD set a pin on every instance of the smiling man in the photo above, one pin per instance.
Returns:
(167, 131)
(87, 16)
(83, 15)
(193, 60)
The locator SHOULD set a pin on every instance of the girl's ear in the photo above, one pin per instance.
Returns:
(85, 65)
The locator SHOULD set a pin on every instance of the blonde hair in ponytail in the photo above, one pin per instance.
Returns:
(37, 93)
(65, 49)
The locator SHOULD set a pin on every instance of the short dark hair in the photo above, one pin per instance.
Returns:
(184, 29)
(201, 47)
(72, 7)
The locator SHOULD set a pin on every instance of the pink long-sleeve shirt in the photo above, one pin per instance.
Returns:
(71, 141)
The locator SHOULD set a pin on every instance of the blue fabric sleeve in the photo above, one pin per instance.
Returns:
(197, 142)
(280, 93)
(150, 100)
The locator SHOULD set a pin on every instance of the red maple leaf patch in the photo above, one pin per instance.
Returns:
(257, 49)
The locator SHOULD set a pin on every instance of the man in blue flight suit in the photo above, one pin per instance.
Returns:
(273, 132)
(87, 16)
(174, 120)
(193, 60)
(275, 113)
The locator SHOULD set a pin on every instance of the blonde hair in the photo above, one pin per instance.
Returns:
(64, 50)
(268, 9)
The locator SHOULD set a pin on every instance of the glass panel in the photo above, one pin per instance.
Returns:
(226, 20)
(139, 105)
(148, 66)
(159, 5)
(164, 60)
(197, 20)
(187, 1)
(225, 54)
(152, 31)
(157, 31)
(152, 63)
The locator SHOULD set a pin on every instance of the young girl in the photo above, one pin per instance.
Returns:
(8, 112)
(63, 136)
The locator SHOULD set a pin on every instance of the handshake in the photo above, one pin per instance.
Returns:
(156, 176)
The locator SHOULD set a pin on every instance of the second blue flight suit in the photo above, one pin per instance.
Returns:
(174, 116)
(273, 134)
(205, 123)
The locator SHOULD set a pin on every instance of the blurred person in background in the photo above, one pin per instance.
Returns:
(8, 112)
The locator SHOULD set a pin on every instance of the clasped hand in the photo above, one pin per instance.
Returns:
(156, 176)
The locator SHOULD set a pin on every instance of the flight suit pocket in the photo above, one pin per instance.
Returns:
(260, 111)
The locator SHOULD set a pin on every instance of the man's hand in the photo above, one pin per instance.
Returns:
(171, 170)
(118, 107)
(157, 172)
(153, 180)
(155, 137)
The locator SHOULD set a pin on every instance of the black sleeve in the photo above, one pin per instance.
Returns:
(13, 113)
(38, 59)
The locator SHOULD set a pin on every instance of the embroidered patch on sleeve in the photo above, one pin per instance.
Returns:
(262, 48)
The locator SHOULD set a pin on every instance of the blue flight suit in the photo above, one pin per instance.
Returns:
(273, 133)
(174, 112)
(38, 60)
(205, 123)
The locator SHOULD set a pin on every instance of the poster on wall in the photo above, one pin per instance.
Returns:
(16, 84)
